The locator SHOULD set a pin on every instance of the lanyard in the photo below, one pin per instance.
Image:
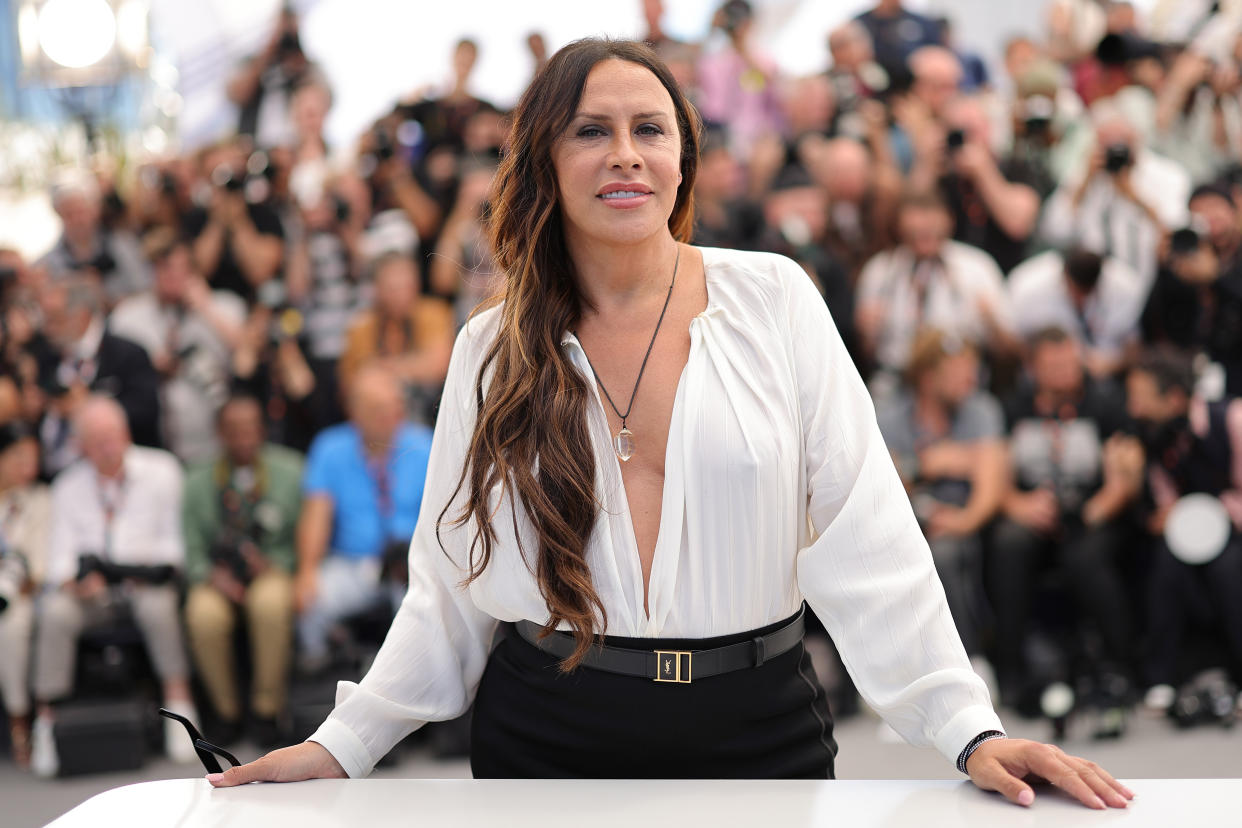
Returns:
(378, 469)
(111, 500)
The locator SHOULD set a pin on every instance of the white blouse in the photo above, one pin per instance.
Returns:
(777, 488)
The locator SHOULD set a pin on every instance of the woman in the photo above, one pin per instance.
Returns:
(678, 521)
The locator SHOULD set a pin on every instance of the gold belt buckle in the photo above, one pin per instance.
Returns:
(673, 666)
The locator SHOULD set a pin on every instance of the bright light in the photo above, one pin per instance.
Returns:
(28, 32)
(131, 28)
(76, 33)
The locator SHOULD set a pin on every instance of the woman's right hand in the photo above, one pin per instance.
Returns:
(309, 760)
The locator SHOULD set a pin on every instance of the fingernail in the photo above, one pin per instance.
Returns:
(1099, 803)
(1026, 797)
(213, 778)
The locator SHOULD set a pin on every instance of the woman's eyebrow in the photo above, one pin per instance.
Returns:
(595, 116)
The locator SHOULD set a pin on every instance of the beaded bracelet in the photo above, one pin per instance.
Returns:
(985, 736)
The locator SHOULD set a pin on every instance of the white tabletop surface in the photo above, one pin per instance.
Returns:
(512, 803)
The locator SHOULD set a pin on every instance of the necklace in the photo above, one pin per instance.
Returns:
(623, 442)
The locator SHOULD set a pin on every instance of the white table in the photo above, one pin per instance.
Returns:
(428, 803)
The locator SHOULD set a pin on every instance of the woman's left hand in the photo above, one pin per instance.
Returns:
(1005, 766)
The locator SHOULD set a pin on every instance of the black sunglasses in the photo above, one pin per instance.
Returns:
(202, 747)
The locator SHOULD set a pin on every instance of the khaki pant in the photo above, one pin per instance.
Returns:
(16, 626)
(211, 619)
(63, 616)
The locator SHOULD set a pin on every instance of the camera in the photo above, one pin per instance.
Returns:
(227, 179)
(954, 140)
(13, 575)
(114, 573)
(1039, 111)
(226, 552)
(1184, 241)
(385, 145)
(1117, 157)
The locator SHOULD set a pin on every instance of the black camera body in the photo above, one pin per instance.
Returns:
(1117, 157)
(226, 551)
(1184, 241)
(954, 140)
(115, 573)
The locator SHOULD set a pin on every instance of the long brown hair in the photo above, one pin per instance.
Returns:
(535, 408)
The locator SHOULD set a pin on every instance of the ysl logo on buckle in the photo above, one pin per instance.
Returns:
(673, 666)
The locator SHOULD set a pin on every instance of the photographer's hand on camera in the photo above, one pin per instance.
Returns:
(90, 586)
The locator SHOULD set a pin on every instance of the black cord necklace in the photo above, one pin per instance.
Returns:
(623, 442)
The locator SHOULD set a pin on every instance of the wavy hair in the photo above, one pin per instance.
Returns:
(531, 434)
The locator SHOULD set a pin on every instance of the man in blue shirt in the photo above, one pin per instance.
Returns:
(361, 495)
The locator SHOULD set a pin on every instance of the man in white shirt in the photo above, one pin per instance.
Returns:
(1123, 202)
(116, 540)
(189, 332)
(930, 281)
(1097, 300)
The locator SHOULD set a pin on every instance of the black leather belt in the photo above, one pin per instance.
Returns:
(671, 666)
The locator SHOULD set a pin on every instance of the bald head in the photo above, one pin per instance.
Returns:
(843, 169)
(102, 429)
(376, 405)
(937, 74)
(850, 45)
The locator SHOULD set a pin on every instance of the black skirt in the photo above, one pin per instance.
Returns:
(767, 722)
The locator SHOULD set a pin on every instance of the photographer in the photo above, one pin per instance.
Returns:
(994, 204)
(239, 517)
(88, 249)
(78, 355)
(409, 333)
(189, 331)
(1062, 508)
(25, 512)
(262, 87)
(1196, 302)
(738, 85)
(1192, 447)
(270, 365)
(1097, 301)
(238, 245)
(362, 493)
(1123, 202)
(114, 552)
(1198, 112)
(946, 438)
(323, 282)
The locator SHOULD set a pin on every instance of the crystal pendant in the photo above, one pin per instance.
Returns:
(624, 444)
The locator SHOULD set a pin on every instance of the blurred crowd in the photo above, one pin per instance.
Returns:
(217, 389)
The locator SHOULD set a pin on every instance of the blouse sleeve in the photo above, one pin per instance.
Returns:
(433, 656)
(868, 572)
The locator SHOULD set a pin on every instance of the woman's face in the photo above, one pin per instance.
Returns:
(618, 165)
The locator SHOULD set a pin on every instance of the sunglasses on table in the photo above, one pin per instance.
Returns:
(207, 752)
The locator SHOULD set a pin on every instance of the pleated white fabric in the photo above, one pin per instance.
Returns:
(778, 488)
